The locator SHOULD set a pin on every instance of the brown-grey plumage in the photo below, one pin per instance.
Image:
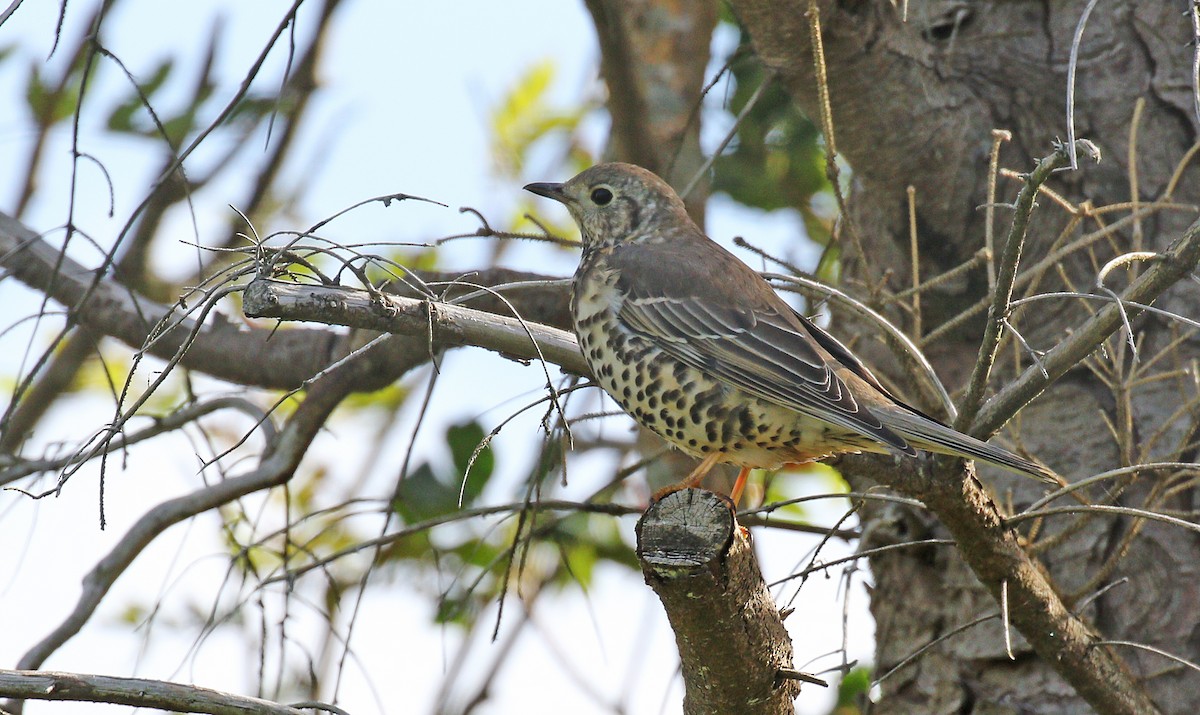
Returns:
(701, 350)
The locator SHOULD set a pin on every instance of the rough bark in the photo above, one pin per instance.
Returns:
(731, 638)
(914, 103)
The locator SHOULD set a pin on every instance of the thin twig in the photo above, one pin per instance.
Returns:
(1132, 161)
(1104, 509)
(1150, 649)
(768, 78)
(1072, 68)
(1176, 263)
(999, 136)
(911, 657)
(1005, 278)
(859, 555)
(465, 514)
(821, 74)
(1195, 18)
(183, 416)
(914, 258)
(276, 467)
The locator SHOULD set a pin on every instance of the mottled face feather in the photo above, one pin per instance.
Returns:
(617, 203)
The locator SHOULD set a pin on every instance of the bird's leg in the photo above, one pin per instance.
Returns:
(700, 472)
(692, 480)
(739, 484)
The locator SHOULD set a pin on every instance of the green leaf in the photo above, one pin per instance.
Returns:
(459, 608)
(524, 116)
(121, 118)
(49, 101)
(829, 268)
(253, 108)
(425, 494)
(37, 94)
(473, 459)
(133, 614)
(158, 77)
(852, 690)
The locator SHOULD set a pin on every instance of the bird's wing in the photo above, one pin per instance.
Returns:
(842, 354)
(715, 314)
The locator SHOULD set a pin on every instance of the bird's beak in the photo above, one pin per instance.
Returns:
(550, 191)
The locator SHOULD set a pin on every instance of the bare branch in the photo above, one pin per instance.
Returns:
(183, 416)
(1175, 264)
(993, 551)
(138, 692)
(277, 466)
(292, 573)
(267, 358)
(450, 324)
(1010, 258)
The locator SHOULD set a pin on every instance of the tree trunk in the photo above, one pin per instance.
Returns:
(915, 104)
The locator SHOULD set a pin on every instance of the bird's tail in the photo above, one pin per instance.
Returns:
(933, 436)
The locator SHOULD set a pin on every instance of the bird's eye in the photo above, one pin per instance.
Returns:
(601, 196)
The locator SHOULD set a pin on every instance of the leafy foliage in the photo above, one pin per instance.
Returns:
(776, 160)
(132, 115)
(525, 122)
(48, 103)
(525, 116)
(428, 492)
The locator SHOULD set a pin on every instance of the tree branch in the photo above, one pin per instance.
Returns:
(444, 324)
(991, 547)
(265, 357)
(138, 692)
(995, 554)
(277, 466)
(1010, 258)
(993, 551)
(1172, 266)
(732, 643)
(185, 415)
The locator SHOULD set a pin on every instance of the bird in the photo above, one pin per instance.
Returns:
(698, 348)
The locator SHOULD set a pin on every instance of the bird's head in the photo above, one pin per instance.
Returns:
(617, 203)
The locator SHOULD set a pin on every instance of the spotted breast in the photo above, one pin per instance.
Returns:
(685, 406)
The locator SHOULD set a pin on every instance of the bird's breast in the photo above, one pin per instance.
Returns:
(687, 407)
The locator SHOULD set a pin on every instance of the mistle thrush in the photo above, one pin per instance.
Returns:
(698, 348)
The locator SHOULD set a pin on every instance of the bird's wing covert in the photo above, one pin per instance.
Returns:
(719, 316)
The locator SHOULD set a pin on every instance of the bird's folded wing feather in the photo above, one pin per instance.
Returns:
(758, 351)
